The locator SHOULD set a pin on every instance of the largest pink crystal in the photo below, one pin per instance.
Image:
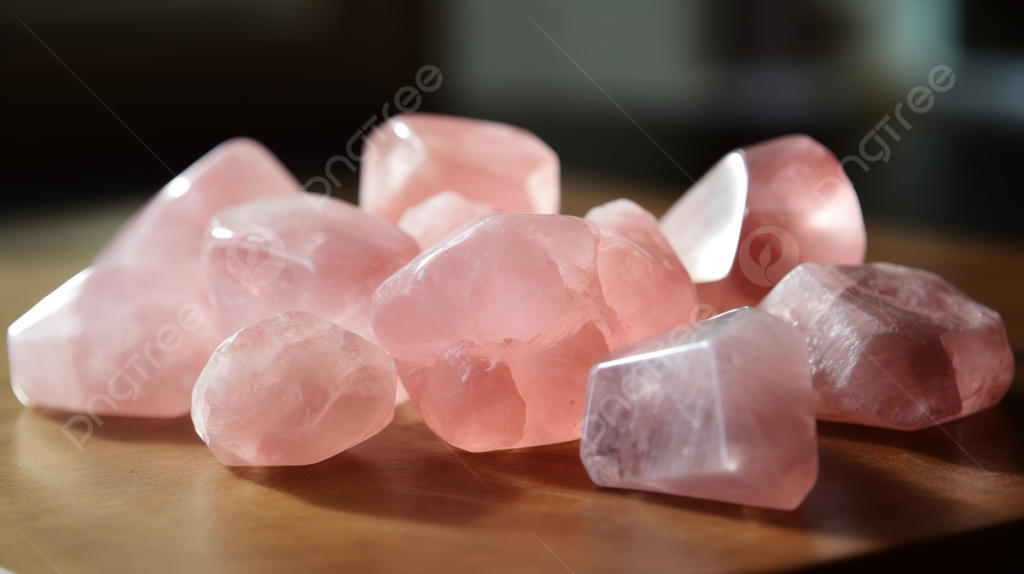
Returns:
(721, 409)
(292, 389)
(266, 257)
(758, 213)
(414, 156)
(892, 346)
(114, 341)
(493, 330)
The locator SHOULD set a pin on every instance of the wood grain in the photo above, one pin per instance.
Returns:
(147, 496)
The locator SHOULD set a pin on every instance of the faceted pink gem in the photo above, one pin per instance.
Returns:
(761, 211)
(290, 254)
(442, 215)
(721, 409)
(415, 156)
(168, 230)
(292, 389)
(892, 346)
(493, 330)
(641, 277)
(126, 341)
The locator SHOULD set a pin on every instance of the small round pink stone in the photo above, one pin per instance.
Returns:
(412, 157)
(442, 215)
(293, 389)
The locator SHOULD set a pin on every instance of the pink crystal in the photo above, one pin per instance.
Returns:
(761, 211)
(292, 389)
(641, 277)
(442, 215)
(493, 330)
(127, 341)
(415, 156)
(720, 410)
(892, 346)
(290, 254)
(168, 230)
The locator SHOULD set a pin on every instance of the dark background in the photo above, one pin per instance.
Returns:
(700, 77)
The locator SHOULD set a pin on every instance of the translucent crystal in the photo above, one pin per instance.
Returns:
(441, 215)
(292, 389)
(266, 257)
(126, 341)
(412, 157)
(892, 346)
(721, 410)
(493, 330)
(758, 213)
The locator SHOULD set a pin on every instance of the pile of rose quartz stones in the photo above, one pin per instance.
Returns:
(689, 355)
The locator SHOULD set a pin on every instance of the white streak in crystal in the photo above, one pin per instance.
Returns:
(221, 233)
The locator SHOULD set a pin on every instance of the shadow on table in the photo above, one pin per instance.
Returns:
(404, 472)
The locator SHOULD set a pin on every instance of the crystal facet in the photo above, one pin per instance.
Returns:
(168, 230)
(721, 409)
(274, 255)
(494, 329)
(126, 341)
(641, 277)
(412, 157)
(292, 389)
(442, 215)
(892, 346)
(761, 211)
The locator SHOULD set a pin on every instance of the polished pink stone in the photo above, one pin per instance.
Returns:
(493, 331)
(289, 254)
(415, 156)
(641, 277)
(168, 230)
(761, 211)
(292, 389)
(892, 346)
(721, 409)
(126, 341)
(442, 215)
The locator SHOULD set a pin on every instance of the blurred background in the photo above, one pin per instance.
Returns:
(700, 77)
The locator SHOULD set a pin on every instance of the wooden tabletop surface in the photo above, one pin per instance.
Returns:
(148, 496)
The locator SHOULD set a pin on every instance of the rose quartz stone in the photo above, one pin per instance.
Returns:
(720, 410)
(892, 346)
(415, 156)
(168, 230)
(761, 211)
(126, 341)
(292, 389)
(274, 255)
(441, 215)
(641, 277)
(493, 330)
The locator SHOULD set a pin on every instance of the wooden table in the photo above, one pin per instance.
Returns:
(147, 495)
